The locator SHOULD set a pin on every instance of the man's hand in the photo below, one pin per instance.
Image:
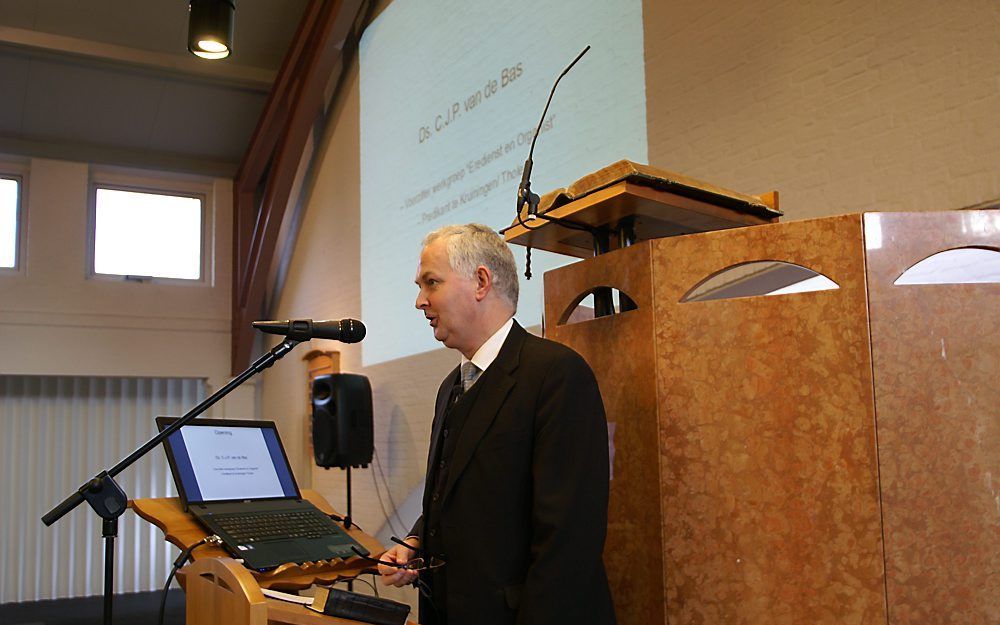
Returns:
(392, 576)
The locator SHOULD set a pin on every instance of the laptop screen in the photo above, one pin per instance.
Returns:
(228, 460)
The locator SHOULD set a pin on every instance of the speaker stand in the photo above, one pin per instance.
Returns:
(350, 583)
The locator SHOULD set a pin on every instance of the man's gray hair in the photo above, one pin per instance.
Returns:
(472, 245)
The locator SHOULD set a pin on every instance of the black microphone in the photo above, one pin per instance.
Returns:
(343, 330)
(524, 193)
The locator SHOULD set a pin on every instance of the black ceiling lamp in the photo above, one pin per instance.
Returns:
(210, 28)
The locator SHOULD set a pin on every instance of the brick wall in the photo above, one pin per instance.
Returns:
(843, 106)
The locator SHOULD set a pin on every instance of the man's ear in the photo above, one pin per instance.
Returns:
(484, 282)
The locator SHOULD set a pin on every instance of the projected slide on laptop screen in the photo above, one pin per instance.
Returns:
(234, 477)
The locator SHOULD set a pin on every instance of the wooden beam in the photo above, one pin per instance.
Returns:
(263, 185)
(184, 66)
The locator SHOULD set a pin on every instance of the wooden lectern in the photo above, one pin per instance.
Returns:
(221, 590)
(814, 457)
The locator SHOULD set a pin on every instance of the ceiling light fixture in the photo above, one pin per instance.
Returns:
(210, 28)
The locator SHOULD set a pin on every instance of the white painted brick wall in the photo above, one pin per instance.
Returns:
(842, 106)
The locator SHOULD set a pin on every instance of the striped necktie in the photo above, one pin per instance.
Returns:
(470, 373)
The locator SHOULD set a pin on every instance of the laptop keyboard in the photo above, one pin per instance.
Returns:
(260, 526)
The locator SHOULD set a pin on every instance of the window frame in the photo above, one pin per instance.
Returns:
(8, 172)
(176, 187)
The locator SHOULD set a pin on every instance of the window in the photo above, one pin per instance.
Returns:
(147, 234)
(10, 196)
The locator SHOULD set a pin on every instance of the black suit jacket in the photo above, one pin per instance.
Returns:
(524, 509)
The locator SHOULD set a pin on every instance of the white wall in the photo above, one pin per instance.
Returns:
(55, 320)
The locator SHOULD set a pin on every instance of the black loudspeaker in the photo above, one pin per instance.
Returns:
(343, 432)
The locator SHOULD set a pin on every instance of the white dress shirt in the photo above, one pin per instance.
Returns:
(489, 350)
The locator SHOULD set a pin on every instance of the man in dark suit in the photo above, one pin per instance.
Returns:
(515, 504)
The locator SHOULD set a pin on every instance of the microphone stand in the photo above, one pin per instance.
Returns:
(526, 198)
(108, 499)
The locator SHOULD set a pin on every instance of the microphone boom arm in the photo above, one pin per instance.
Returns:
(259, 365)
(524, 194)
(108, 499)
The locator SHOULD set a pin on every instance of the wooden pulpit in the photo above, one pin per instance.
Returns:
(798, 456)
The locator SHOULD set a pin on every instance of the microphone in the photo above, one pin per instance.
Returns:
(524, 194)
(343, 330)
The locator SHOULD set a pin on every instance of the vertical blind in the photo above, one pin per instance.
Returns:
(57, 432)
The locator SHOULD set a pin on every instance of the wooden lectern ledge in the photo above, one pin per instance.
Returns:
(661, 204)
(764, 205)
(182, 530)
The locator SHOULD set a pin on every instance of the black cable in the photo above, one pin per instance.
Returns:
(570, 225)
(163, 597)
(385, 513)
(356, 578)
(360, 579)
(378, 493)
(178, 563)
(388, 491)
(347, 521)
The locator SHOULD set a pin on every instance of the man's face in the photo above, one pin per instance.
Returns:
(447, 299)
